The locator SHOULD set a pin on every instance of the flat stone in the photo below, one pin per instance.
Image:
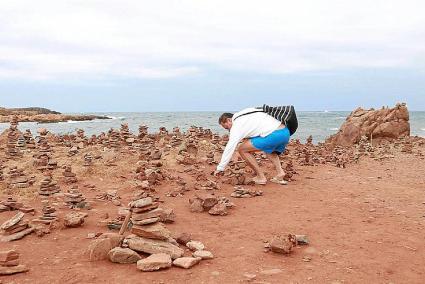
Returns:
(140, 203)
(186, 262)
(13, 269)
(17, 236)
(153, 246)
(155, 213)
(6, 256)
(272, 271)
(155, 231)
(155, 262)
(195, 245)
(123, 255)
(146, 221)
(203, 254)
(12, 221)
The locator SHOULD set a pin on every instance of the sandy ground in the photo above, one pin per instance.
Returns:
(365, 224)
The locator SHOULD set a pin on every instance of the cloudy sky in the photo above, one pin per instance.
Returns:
(92, 55)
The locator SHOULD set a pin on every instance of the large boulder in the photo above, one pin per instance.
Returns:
(378, 125)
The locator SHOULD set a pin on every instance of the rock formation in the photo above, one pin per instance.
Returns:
(377, 125)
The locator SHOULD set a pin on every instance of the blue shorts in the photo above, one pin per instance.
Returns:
(274, 142)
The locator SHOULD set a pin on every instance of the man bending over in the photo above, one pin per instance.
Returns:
(259, 132)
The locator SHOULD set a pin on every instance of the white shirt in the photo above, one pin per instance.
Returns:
(247, 126)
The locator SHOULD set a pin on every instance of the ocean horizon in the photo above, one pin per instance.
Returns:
(319, 124)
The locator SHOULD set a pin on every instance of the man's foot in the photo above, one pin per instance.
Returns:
(259, 180)
(279, 180)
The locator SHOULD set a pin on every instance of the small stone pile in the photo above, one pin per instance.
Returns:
(18, 179)
(113, 139)
(48, 186)
(124, 132)
(150, 236)
(210, 203)
(48, 216)
(43, 143)
(15, 228)
(88, 160)
(9, 263)
(10, 204)
(240, 192)
(143, 131)
(145, 212)
(12, 149)
(29, 139)
(68, 176)
(73, 198)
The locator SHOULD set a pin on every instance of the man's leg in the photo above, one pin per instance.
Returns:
(276, 163)
(245, 151)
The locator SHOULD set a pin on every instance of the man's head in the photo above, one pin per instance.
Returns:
(225, 120)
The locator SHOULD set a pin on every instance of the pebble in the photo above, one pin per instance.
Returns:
(195, 245)
(272, 271)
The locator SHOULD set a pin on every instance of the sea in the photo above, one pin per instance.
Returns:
(319, 124)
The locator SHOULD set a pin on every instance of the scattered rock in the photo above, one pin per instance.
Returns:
(123, 255)
(155, 262)
(186, 262)
(74, 219)
(195, 245)
(203, 254)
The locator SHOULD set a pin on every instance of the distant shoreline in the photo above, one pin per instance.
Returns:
(42, 115)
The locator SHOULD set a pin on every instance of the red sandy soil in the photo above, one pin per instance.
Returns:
(365, 224)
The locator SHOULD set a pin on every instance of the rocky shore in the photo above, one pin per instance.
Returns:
(41, 115)
(117, 206)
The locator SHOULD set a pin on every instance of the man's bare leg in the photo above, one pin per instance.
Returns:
(274, 158)
(245, 151)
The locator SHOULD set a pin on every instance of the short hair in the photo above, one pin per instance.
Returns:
(224, 116)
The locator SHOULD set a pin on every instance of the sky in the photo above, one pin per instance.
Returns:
(104, 56)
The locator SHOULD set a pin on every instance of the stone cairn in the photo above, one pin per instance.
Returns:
(48, 186)
(113, 139)
(12, 149)
(73, 198)
(124, 133)
(48, 214)
(10, 204)
(43, 159)
(15, 228)
(68, 176)
(150, 236)
(88, 160)
(29, 139)
(43, 144)
(9, 263)
(18, 179)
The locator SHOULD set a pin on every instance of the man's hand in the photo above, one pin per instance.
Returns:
(218, 173)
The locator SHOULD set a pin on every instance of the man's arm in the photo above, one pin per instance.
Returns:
(236, 135)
